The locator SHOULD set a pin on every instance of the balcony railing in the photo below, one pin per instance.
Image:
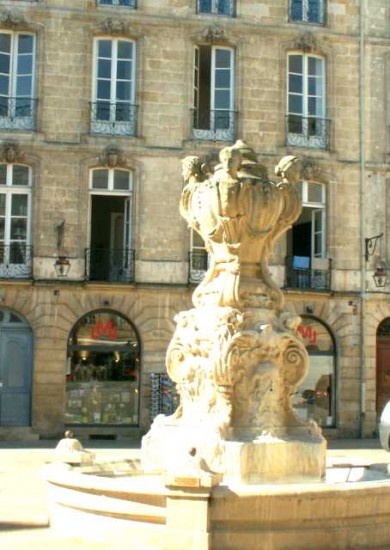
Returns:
(307, 131)
(217, 125)
(311, 278)
(198, 265)
(126, 3)
(16, 261)
(115, 119)
(17, 113)
(217, 7)
(111, 265)
(307, 11)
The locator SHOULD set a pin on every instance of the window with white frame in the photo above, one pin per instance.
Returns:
(307, 125)
(199, 258)
(125, 3)
(17, 81)
(306, 241)
(113, 104)
(214, 117)
(110, 256)
(217, 7)
(308, 11)
(15, 220)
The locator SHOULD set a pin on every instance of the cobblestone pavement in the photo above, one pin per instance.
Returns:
(24, 523)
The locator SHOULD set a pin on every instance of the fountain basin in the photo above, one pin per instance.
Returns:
(114, 502)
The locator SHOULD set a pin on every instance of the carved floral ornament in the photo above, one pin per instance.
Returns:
(113, 27)
(214, 34)
(112, 157)
(311, 171)
(11, 152)
(307, 42)
(13, 19)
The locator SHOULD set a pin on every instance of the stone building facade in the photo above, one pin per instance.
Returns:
(99, 102)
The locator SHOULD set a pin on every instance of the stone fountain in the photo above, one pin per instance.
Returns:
(234, 467)
(237, 356)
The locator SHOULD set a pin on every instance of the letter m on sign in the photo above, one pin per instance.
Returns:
(308, 334)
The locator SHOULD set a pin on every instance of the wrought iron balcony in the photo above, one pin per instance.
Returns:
(307, 11)
(217, 7)
(115, 119)
(214, 125)
(307, 131)
(198, 265)
(126, 3)
(16, 261)
(109, 264)
(316, 277)
(17, 113)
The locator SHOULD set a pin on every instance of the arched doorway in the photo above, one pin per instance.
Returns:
(382, 365)
(316, 396)
(15, 369)
(103, 371)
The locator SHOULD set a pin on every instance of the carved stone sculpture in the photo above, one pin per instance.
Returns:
(237, 357)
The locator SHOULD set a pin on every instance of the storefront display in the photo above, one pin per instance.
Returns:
(315, 397)
(102, 378)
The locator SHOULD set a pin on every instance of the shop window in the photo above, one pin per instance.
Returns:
(103, 371)
(316, 396)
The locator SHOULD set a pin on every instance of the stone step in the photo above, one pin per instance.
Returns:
(13, 433)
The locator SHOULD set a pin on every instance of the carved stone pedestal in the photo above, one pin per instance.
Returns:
(271, 460)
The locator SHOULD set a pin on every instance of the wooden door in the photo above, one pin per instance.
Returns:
(382, 373)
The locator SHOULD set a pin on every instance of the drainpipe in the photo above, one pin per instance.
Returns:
(362, 162)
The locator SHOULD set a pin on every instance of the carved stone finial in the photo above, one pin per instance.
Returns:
(10, 152)
(214, 34)
(113, 27)
(12, 19)
(111, 157)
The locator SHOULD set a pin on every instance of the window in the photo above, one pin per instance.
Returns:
(113, 108)
(316, 396)
(103, 371)
(218, 7)
(17, 65)
(15, 209)
(306, 241)
(110, 257)
(126, 3)
(199, 259)
(309, 11)
(306, 123)
(214, 117)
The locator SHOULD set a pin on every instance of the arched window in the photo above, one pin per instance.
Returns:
(15, 220)
(103, 371)
(110, 256)
(315, 397)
